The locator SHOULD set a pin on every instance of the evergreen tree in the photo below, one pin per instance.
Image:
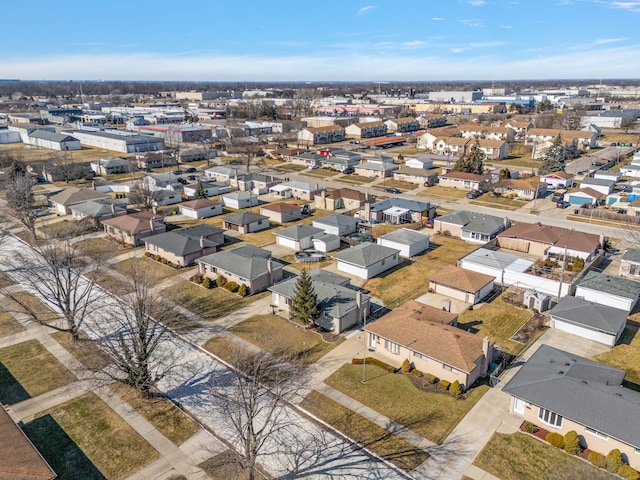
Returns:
(554, 158)
(305, 300)
(200, 190)
(471, 162)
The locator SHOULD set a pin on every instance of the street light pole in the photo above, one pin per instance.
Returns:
(364, 352)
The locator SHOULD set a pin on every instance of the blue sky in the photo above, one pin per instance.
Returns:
(348, 40)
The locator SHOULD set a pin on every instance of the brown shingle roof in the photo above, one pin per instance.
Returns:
(75, 194)
(19, 459)
(444, 343)
(470, 127)
(560, 174)
(589, 191)
(132, 223)
(461, 279)
(558, 236)
(199, 203)
(281, 207)
(349, 193)
(328, 128)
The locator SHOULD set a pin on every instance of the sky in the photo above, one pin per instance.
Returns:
(331, 40)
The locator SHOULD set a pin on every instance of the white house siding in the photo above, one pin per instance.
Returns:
(287, 242)
(202, 212)
(606, 299)
(406, 251)
(353, 270)
(602, 337)
(372, 270)
(324, 246)
(467, 297)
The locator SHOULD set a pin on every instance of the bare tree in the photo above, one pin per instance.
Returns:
(64, 274)
(142, 194)
(21, 201)
(133, 331)
(253, 397)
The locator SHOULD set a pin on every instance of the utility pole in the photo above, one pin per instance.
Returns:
(564, 263)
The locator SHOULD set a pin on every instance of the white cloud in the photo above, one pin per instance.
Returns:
(605, 41)
(508, 27)
(438, 19)
(459, 49)
(477, 3)
(414, 43)
(364, 10)
(486, 44)
(472, 23)
(630, 6)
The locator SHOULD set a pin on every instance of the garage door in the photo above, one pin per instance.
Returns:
(573, 200)
(584, 332)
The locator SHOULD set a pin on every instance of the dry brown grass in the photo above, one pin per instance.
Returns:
(8, 324)
(30, 305)
(155, 269)
(626, 354)
(443, 192)
(85, 350)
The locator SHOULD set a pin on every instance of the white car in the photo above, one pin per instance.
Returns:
(313, 167)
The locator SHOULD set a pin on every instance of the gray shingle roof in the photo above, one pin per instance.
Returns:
(185, 240)
(405, 236)
(413, 205)
(602, 182)
(337, 220)
(97, 208)
(474, 222)
(590, 315)
(298, 232)
(244, 218)
(366, 254)
(631, 255)
(621, 287)
(582, 390)
(52, 136)
(245, 261)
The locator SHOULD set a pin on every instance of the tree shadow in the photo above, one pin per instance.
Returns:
(10, 389)
(60, 451)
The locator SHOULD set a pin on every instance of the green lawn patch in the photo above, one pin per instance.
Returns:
(432, 415)
(8, 324)
(161, 413)
(518, 456)
(208, 304)
(375, 438)
(29, 368)
(411, 278)
(115, 449)
(626, 354)
(85, 350)
(277, 335)
(499, 320)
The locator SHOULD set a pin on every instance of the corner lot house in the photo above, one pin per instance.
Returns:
(133, 228)
(63, 201)
(367, 260)
(561, 392)
(460, 284)
(298, 237)
(246, 264)
(470, 226)
(589, 320)
(558, 180)
(609, 290)
(294, 189)
(409, 242)
(463, 180)
(432, 347)
(200, 208)
(245, 222)
(397, 211)
(183, 246)
(282, 212)
(338, 303)
(340, 198)
(337, 224)
(630, 263)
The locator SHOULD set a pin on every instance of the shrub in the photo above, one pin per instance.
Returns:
(207, 283)
(243, 291)
(614, 460)
(147, 254)
(157, 257)
(530, 427)
(597, 459)
(416, 373)
(220, 281)
(455, 389)
(431, 379)
(163, 261)
(628, 472)
(445, 384)
(571, 442)
(406, 366)
(555, 439)
(578, 264)
(232, 286)
(197, 278)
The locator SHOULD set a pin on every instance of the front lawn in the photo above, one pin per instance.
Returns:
(443, 192)
(321, 173)
(108, 442)
(518, 456)
(85, 350)
(33, 307)
(152, 268)
(27, 370)
(277, 335)
(402, 185)
(432, 415)
(8, 324)
(503, 203)
(499, 320)
(208, 304)
(626, 354)
(411, 278)
(355, 179)
(368, 434)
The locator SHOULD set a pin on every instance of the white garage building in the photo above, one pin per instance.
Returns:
(609, 290)
(367, 260)
(409, 242)
(119, 141)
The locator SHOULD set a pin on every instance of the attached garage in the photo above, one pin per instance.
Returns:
(465, 285)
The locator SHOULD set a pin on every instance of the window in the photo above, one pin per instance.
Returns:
(419, 355)
(549, 417)
(592, 431)
(447, 368)
(392, 347)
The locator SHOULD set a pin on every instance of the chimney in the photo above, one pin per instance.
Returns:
(359, 304)
(113, 209)
(202, 242)
(270, 270)
(151, 223)
(506, 222)
(486, 351)
(602, 240)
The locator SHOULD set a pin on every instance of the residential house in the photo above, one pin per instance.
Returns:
(471, 130)
(222, 174)
(471, 226)
(432, 121)
(341, 161)
(548, 241)
(63, 201)
(257, 183)
(525, 188)
(607, 175)
(245, 222)
(402, 125)
(455, 146)
(282, 212)
(519, 127)
(149, 160)
(583, 196)
(298, 237)
(589, 320)
(604, 186)
(162, 198)
(613, 291)
(111, 166)
(200, 208)
(98, 210)
(507, 269)
(346, 198)
(239, 200)
(409, 242)
(430, 344)
(422, 162)
(326, 243)
(493, 149)
(365, 130)
(308, 159)
(184, 246)
(341, 307)
(66, 172)
(209, 189)
(397, 211)
(366, 260)
(321, 135)
(131, 229)
(561, 392)
(295, 189)
(464, 180)
(162, 181)
(416, 175)
(460, 284)
(337, 224)
(630, 263)
(556, 180)
(246, 264)
(380, 166)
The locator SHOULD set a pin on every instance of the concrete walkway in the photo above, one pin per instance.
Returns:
(174, 460)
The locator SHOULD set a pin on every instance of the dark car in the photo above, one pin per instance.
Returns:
(392, 190)
(348, 170)
(192, 178)
(562, 204)
(190, 170)
(182, 181)
(597, 164)
(626, 188)
(474, 194)
(177, 172)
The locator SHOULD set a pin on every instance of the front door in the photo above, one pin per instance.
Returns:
(518, 406)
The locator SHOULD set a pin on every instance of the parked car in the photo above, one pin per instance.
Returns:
(348, 170)
(392, 190)
(41, 212)
(305, 210)
(177, 172)
(428, 224)
(190, 170)
(626, 188)
(313, 167)
(597, 164)
(182, 181)
(474, 194)
(192, 178)
(562, 204)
